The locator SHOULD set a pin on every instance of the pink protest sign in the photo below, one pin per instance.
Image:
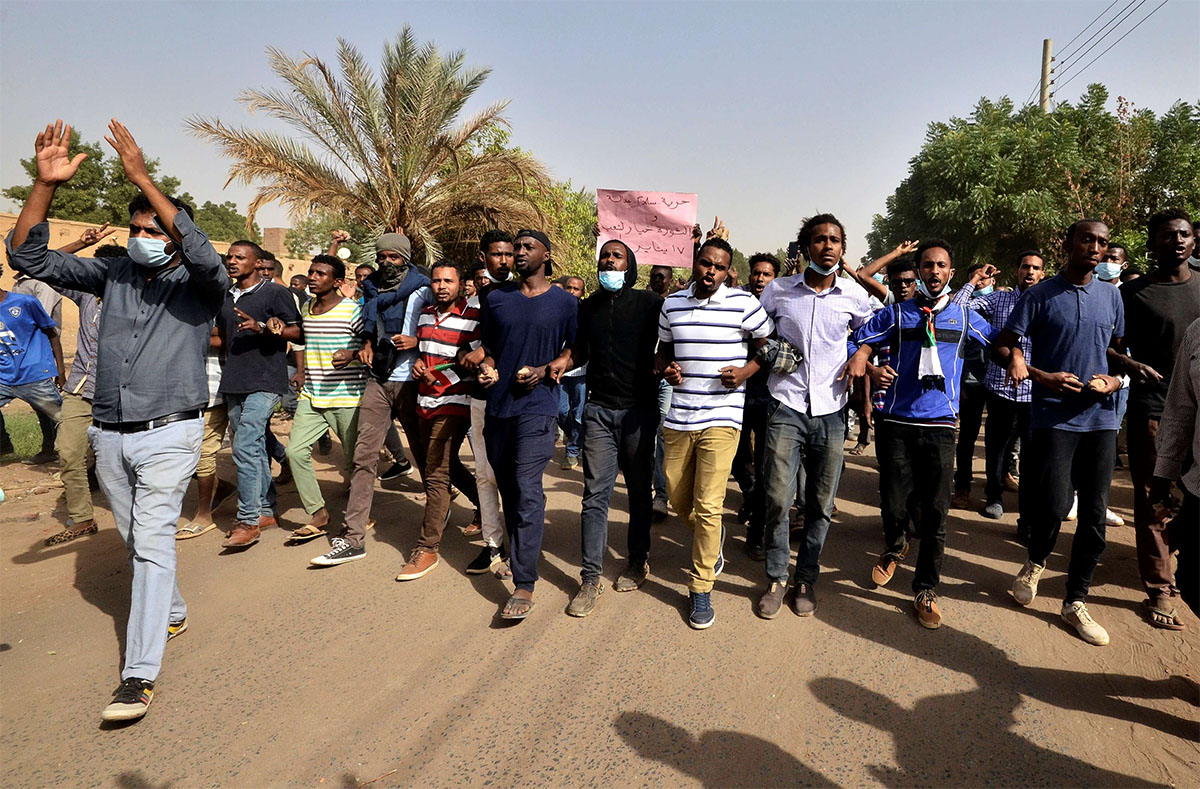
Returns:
(657, 226)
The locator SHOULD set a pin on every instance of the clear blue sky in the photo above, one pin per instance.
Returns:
(770, 111)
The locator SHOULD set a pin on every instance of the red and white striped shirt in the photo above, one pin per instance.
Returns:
(439, 338)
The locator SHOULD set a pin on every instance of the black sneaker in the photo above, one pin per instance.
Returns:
(720, 566)
(324, 444)
(340, 552)
(401, 468)
(130, 701)
(488, 558)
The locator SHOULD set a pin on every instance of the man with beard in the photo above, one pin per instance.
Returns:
(524, 327)
(915, 428)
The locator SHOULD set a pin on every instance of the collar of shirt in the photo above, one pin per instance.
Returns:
(238, 292)
(716, 298)
(836, 287)
(457, 308)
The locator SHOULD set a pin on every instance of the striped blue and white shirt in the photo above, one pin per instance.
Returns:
(708, 335)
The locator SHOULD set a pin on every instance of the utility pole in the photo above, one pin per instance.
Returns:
(1044, 101)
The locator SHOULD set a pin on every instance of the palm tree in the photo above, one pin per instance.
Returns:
(386, 153)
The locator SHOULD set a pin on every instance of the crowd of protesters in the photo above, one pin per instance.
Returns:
(676, 387)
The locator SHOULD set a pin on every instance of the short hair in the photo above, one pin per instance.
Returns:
(806, 230)
(493, 237)
(255, 248)
(934, 243)
(1031, 253)
(141, 203)
(971, 269)
(1163, 217)
(367, 266)
(1079, 222)
(447, 264)
(110, 251)
(1118, 245)
(901, 265)
(720, 244)
(268, 255)
(334, 262)
(298, 276)
(763, 257)
(475, 267)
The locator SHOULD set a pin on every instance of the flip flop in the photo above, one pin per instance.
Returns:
(859, 449)
(305, 533)
(68, 534)
(192, 529)
(1162, 618)
(516, 608)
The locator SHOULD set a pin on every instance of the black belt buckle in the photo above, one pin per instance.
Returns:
(151, 424)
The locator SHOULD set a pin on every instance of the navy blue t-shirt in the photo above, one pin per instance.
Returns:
(519, 331)
(1070, 328)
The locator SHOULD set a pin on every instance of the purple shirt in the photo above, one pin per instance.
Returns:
(818, 324)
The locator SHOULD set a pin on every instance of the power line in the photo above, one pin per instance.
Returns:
(1068, 66)
(1089, 24)
(1067, 55)
(1113, 44)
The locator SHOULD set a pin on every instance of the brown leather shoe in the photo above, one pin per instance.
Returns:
(243, 536)
(267, 522)
(961, 500)
(1011, 483)
(885, 568)
(928, 613)
(423, 560)
(772, 600)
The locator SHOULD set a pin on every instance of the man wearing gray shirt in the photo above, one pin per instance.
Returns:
(151, 387)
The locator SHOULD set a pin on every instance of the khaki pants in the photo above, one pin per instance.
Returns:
(696, 464)
(308, 425)
(72, 447)
(216, 422)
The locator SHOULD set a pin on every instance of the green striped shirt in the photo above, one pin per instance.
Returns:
(339, 328)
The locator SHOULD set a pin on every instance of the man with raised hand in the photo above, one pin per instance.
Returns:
(705, 334)
(813, 311)
(1071, 319)
(927, 337)
(618, 334)
(159, 304)
(1159, 307)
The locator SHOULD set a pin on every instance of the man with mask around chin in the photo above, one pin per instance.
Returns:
(915, 429)
(617, 337)
(159, 304)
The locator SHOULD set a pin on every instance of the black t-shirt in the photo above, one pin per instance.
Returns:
(254, 361)
(619, 335)
(1156, 316)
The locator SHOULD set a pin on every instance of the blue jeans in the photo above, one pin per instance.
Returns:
(249, 416)
(660, 477)
(814, 443)
(144, 476)
(42, 395)
(616, 439)
(572, 394)
(519, 449)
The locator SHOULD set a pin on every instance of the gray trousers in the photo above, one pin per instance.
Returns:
(144, 476)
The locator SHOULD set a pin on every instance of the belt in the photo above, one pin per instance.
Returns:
(140, 427)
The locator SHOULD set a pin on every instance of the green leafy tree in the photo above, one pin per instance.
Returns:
(387, 151)
(223, 222)
(315, 230)
(1006, 179)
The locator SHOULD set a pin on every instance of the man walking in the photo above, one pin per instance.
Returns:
(158, 305)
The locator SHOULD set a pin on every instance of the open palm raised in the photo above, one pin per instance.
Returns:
(54, 162)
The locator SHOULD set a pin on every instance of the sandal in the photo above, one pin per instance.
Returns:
(859, 448)
(516, 608)
(502, 570)
(306, 532)
(66, 535)
(1162, 618)
(192, 529)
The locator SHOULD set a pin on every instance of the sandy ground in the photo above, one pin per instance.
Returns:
(343, 677)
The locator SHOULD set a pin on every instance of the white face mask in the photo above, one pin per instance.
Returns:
(488, 273)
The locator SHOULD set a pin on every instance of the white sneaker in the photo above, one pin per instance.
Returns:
(1113, 519)
(1074, 508)
(1024, 587)
(1076, 615)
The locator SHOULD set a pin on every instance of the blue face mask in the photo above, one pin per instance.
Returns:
(878, 277)
(984, 290)
(1108, 271)
(612, 280)
(149, 252)
(824, 272)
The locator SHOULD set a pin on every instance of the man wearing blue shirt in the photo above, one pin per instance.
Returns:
(29, 365)
(1072, 319)
(915, 428)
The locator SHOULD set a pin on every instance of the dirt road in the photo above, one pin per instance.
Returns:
(343, 677)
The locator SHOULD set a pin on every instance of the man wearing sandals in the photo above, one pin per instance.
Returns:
(1159, 307)
(159, 303)
(1071, 319)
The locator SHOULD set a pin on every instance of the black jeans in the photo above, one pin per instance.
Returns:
(915, 462)
(1007, 422)
(617, 440)
(1056, 464)
(519, 449)
(970, 418)
(748, 466)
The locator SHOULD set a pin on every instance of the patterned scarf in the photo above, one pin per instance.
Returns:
(929, 369)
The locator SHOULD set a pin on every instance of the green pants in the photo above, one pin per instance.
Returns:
(72, 446)
(309, 424)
